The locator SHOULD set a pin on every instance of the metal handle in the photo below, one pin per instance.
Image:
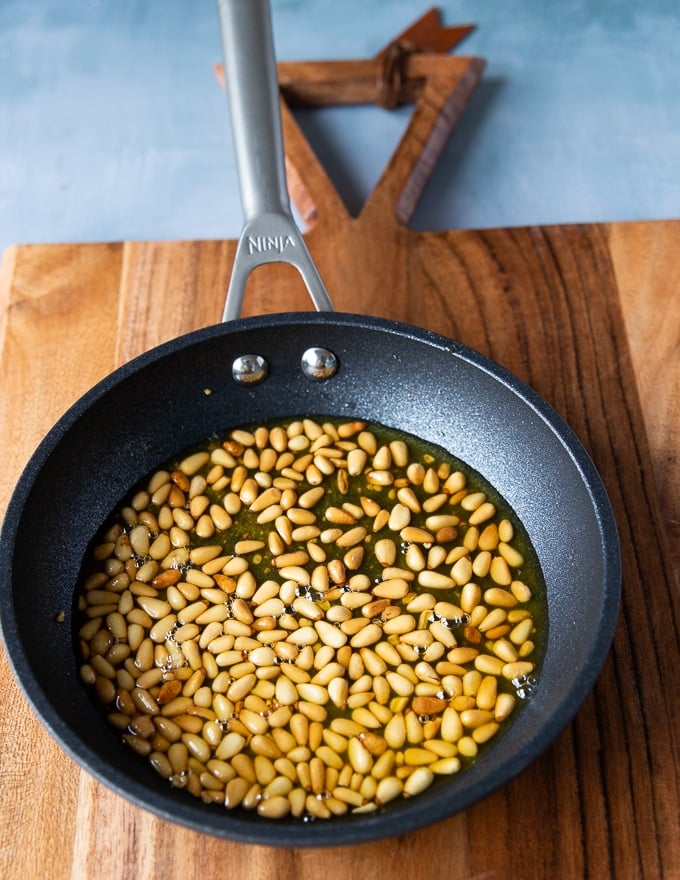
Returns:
(269, 233)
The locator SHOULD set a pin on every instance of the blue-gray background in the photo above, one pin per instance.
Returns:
(112, 126)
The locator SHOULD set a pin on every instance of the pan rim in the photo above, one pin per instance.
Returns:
(420, 811)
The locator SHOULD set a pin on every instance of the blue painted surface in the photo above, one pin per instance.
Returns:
(112, 126)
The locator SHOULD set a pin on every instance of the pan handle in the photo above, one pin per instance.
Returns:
(269, 233)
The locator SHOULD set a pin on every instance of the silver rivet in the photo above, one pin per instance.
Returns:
(319, 363)
(249, 369)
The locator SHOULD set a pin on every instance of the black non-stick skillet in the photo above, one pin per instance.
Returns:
(288, 365)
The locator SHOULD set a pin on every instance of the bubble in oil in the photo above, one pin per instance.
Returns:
(179, 780)
(453, 622)
(525, 686)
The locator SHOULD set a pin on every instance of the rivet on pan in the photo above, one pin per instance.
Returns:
(319, 363)
(249, 369)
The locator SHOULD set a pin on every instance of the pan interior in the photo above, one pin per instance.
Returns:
(177, 395)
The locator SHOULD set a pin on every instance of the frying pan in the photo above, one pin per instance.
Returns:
(401, 376)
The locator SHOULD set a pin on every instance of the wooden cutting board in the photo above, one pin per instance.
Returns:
(587, 314)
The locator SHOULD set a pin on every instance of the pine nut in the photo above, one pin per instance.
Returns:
(274, 807)
(393, 588)
(499, 597)
(443, 634)
(385, 551)
(368, 635)
(484, 732)
(500, 571)
(305, 662)
(352, 537)
(462, 571)
(400, 517)
(433, 580)
(403, 623)
(418, 781)
(520, 591)
(517, 669)
(494, 618)
(521, 632)
(482, 513)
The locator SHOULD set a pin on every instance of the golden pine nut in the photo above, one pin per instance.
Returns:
(235, 671)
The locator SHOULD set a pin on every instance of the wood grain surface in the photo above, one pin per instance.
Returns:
(589, 315)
